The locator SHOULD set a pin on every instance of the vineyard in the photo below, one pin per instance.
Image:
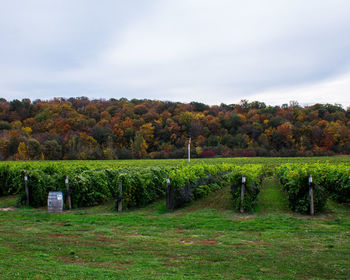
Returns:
(329, 181)
(178, 220)
(95, 182)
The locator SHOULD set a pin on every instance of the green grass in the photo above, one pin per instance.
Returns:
(204, 240)
(271, 198)
(8, 201)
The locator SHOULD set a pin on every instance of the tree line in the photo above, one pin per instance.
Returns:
(79, 128)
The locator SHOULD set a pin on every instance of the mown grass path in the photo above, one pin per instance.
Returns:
(271, 198)
(204, 240)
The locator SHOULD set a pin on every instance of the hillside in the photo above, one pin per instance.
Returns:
(79, 128)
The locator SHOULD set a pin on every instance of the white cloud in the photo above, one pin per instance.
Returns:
(210, 51)
(333, 91)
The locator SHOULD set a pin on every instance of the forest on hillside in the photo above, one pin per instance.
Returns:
(79, 128)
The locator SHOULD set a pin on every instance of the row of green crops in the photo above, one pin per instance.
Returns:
(92, 183)
(193, 182)
(141, 186)
(335, 179)
(93, 164)
(88, 187)
(254, 175)
(328, 181)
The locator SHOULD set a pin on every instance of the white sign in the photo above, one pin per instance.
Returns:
(243, 179)
(167, 180)
(59, 197)
(25, 178)
(67, 180)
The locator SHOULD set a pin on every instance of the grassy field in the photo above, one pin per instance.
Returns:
(204, 240)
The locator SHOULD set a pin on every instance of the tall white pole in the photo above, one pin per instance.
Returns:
(189, 150)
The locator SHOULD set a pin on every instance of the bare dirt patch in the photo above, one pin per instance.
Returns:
(218, 234)
(111, 265)
(180, 214)
(13, 246)
(63, 235)
(8, 209)
(197, 241)
(73, 260)
(209, 242)
(104, 239)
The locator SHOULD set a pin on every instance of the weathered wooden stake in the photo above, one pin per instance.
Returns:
(68, 194)
(242, 193)
(120, 198)
(189, 150)
(311, 191)
(26, 187)
(168, 196)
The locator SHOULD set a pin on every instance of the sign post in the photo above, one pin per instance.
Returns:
(168, 195)
(189, 150)
(26, 187)
(311, 191)
(242, 193)
(68, 193)
(120, 198)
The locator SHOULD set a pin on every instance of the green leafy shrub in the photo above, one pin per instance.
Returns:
(140, 185)
(254, 176)
(193, 182)
(11, 179)
(89, 188)
(39, 185)
(197, 181)
(335, 179)
(294, 179)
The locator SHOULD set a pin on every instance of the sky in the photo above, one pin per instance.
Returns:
(217, 51)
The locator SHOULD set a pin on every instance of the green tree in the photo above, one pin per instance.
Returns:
(52, 150)
(139, 146)
(34, 149)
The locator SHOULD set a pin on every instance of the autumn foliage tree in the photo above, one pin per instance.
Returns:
(79, 128)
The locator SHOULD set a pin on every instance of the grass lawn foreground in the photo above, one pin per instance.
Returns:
(204, 240)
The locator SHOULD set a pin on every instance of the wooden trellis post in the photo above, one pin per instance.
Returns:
(120, 198)
(311, 191)
(168, 195)
(242, 193)
(26, 187)
(68, 194)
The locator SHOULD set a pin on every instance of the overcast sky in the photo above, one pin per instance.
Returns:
(218, 51)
